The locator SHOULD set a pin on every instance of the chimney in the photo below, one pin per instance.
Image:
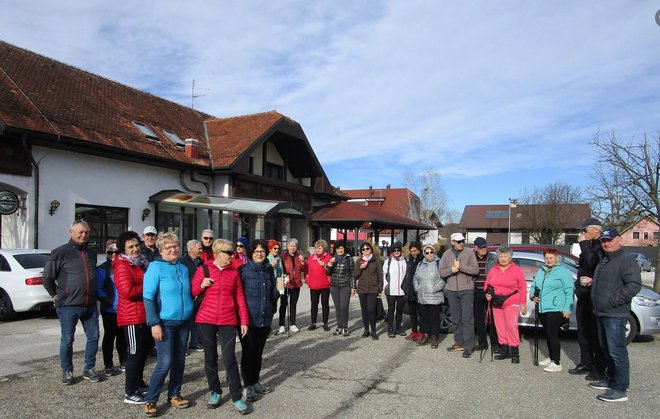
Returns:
(192, 148)
(388, 186)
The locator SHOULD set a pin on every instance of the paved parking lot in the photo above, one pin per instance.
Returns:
(318, 375)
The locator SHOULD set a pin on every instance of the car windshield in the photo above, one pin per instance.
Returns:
(32, 260)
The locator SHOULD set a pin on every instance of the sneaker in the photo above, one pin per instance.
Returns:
(326, 327)
(242, 407)
(281, 330)
(312, 327)
(294, 329)
(390, 334)
(337, 332)
(552, 367)
(418, 336)
(593, 376)
(366, 334)
(136, 398)
(262, 388)
(122, 367)
(248, 394)
(600, 385)
(545, 362)
(67, 378)
(237, 340)
(214, 400)
(374, 336)
(467, 354)
(143, 389)
(150, 409)
(613, 396)
(400, 332)
(455, 348)
(178, 402)
(345, 333)
(92, 376)
(112, 371)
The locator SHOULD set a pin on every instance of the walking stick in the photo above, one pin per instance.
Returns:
(491, 328)
(536, 329)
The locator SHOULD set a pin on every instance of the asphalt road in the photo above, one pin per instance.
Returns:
(318, 375)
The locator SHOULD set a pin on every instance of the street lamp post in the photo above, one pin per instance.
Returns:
(512, 204)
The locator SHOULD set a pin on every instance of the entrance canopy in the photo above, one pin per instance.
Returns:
(240, 205)
(349, 215)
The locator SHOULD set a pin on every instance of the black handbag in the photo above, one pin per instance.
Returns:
(200, 297)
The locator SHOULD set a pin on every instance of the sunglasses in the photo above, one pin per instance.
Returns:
(397, 250)
(430, 252)
(116, 252)
(460, 241)
(366, 248)
(239, 245)
(228, 252)
(207, 238)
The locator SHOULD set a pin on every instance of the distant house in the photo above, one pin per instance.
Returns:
(644, 232)
(527, 224)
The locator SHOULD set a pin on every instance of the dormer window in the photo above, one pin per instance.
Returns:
(174, 138)
(146, 131)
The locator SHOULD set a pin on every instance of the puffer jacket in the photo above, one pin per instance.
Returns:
(106, 289)
(556, 287)
(341, 272)
(462, 280)
(223, 299)
(407, 284)
(616, 281)
(71, 275)
(166, 292)
(428, 283)
(394, 272)
(591, 253)
(370, 279)
(261, 294)
(293, 267)
(128, 279)
(315, 274)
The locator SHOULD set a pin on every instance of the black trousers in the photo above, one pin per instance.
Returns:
(324, 295)
(481, 328)
(430, 315)
(591, 353)
(551, 323)
(290, 297)
(252, 346)
(139, 343)
(395, 305)
(414, 316)
(112, 335)
(368, 307)
(341, 296)
(207, 334)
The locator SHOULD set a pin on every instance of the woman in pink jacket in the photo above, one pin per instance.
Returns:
(507, 281)
(318, 282)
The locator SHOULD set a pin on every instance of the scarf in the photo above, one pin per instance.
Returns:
(139, 261)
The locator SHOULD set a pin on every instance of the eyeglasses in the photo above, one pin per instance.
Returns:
(171, 247)
(430, 252)
(228, 252)
(207, 238)
(239, 245)
(259, 251)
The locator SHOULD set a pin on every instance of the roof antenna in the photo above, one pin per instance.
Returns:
(193, 96)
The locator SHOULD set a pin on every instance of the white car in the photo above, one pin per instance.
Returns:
(21, 286)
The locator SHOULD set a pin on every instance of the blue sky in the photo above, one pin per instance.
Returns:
(495, 96)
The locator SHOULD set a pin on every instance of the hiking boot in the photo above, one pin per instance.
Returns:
(178, 402)
(67, 378)
(345, 333)
(92, 376)
(504, 353)
(545, 362)
(366, 334)
(424, 340)
(242, 407)
(613, 396)
(214, 400)
(150, 409)
(515, 355)
(112, 371)
(294, 329)
(312, 326)
(260, 388)
(248, 394)
(411, 335)
(374, 336)
(136, 398)
(434, 342)
(455, 348)
(326, 327)
(600, 385)
(552, 367)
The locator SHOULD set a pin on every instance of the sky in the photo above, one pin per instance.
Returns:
(496, 97)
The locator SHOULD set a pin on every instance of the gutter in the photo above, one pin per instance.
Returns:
(35, 165)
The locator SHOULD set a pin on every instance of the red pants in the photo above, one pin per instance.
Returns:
(506, 324)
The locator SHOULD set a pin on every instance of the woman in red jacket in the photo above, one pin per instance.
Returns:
(292, 266)
(223, 308)
(129, 267)
(318, 282)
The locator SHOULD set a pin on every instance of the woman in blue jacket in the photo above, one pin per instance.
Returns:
(168, 305)
(554, 303)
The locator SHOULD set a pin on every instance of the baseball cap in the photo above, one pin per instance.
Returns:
(590, 222)
(149, 230)
(609, 234)
(456, 237)
(480, 242)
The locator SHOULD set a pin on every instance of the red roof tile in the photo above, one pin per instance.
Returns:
(475, 216)
(394, 200)
(345, 214)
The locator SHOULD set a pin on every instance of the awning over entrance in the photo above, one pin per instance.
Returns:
(240, 205)
(348, 215)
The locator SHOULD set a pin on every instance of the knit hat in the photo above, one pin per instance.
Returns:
(243, 241)
(340, 243)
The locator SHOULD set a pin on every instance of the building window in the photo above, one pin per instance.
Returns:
(251, 165)
(635, 235)
(274, 171)
(174, 138)
(104, 222)
(146, 131)
(646, 235)
(656, 235)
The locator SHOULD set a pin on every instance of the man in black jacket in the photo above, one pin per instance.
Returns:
(70, 278)
(616, 281)
(148, 243)
(592, 360)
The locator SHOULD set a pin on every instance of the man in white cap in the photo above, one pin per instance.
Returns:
(459, 268)
(148, 245)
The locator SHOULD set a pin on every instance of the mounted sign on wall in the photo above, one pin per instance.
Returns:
(8, 202)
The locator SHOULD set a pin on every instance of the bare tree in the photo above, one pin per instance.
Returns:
(427, 184)
(636, 165)
(609, 201)
(546, 210)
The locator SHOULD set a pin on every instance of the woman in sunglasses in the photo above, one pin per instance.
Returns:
(368, 275)
(240, 255)
(429, 285)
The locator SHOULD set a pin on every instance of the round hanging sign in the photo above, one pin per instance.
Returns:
(8, 202)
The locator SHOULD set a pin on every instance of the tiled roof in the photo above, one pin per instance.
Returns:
(394, 200)
(486, 216)
(346, 214)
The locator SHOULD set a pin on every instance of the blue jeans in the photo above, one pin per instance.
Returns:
(171, 358)
(69, 317)
(612, 335)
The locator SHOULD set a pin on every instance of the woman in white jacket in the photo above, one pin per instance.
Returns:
(394, 271)
(429, 285)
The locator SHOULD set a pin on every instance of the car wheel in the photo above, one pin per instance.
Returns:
(631, 328)
(445, 318)
(6, 308)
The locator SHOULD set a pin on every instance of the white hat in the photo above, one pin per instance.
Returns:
(149, 230)
(457, 237)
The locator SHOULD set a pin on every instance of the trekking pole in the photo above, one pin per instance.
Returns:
(491, 328)
(536, 329)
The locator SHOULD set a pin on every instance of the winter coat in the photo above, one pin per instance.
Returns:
(407, 284)
(70, 273)
(370, 279)
(261, 294)
(616, 281)
(166, 292)
(315, 274)
(428, 283)
(341, 272)
(129, 279)
(507, 281)
(556, 286)
(277, 268)
(149, 254)
(591, 253)
(223, 299)
(294, 268)
(394, 272)
(106, 289)
(191, 264)
(463, 279)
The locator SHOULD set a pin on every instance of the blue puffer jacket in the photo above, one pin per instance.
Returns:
(261, 294)
(166, 292)
(556, 287)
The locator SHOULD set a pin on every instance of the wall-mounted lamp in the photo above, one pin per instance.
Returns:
(145, 213)
(54, 205)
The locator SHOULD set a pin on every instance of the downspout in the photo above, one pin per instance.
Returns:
(35, 165)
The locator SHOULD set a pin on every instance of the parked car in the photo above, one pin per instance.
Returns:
(566, 258)
(644, 262)
(644, 317)
(21, 285)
